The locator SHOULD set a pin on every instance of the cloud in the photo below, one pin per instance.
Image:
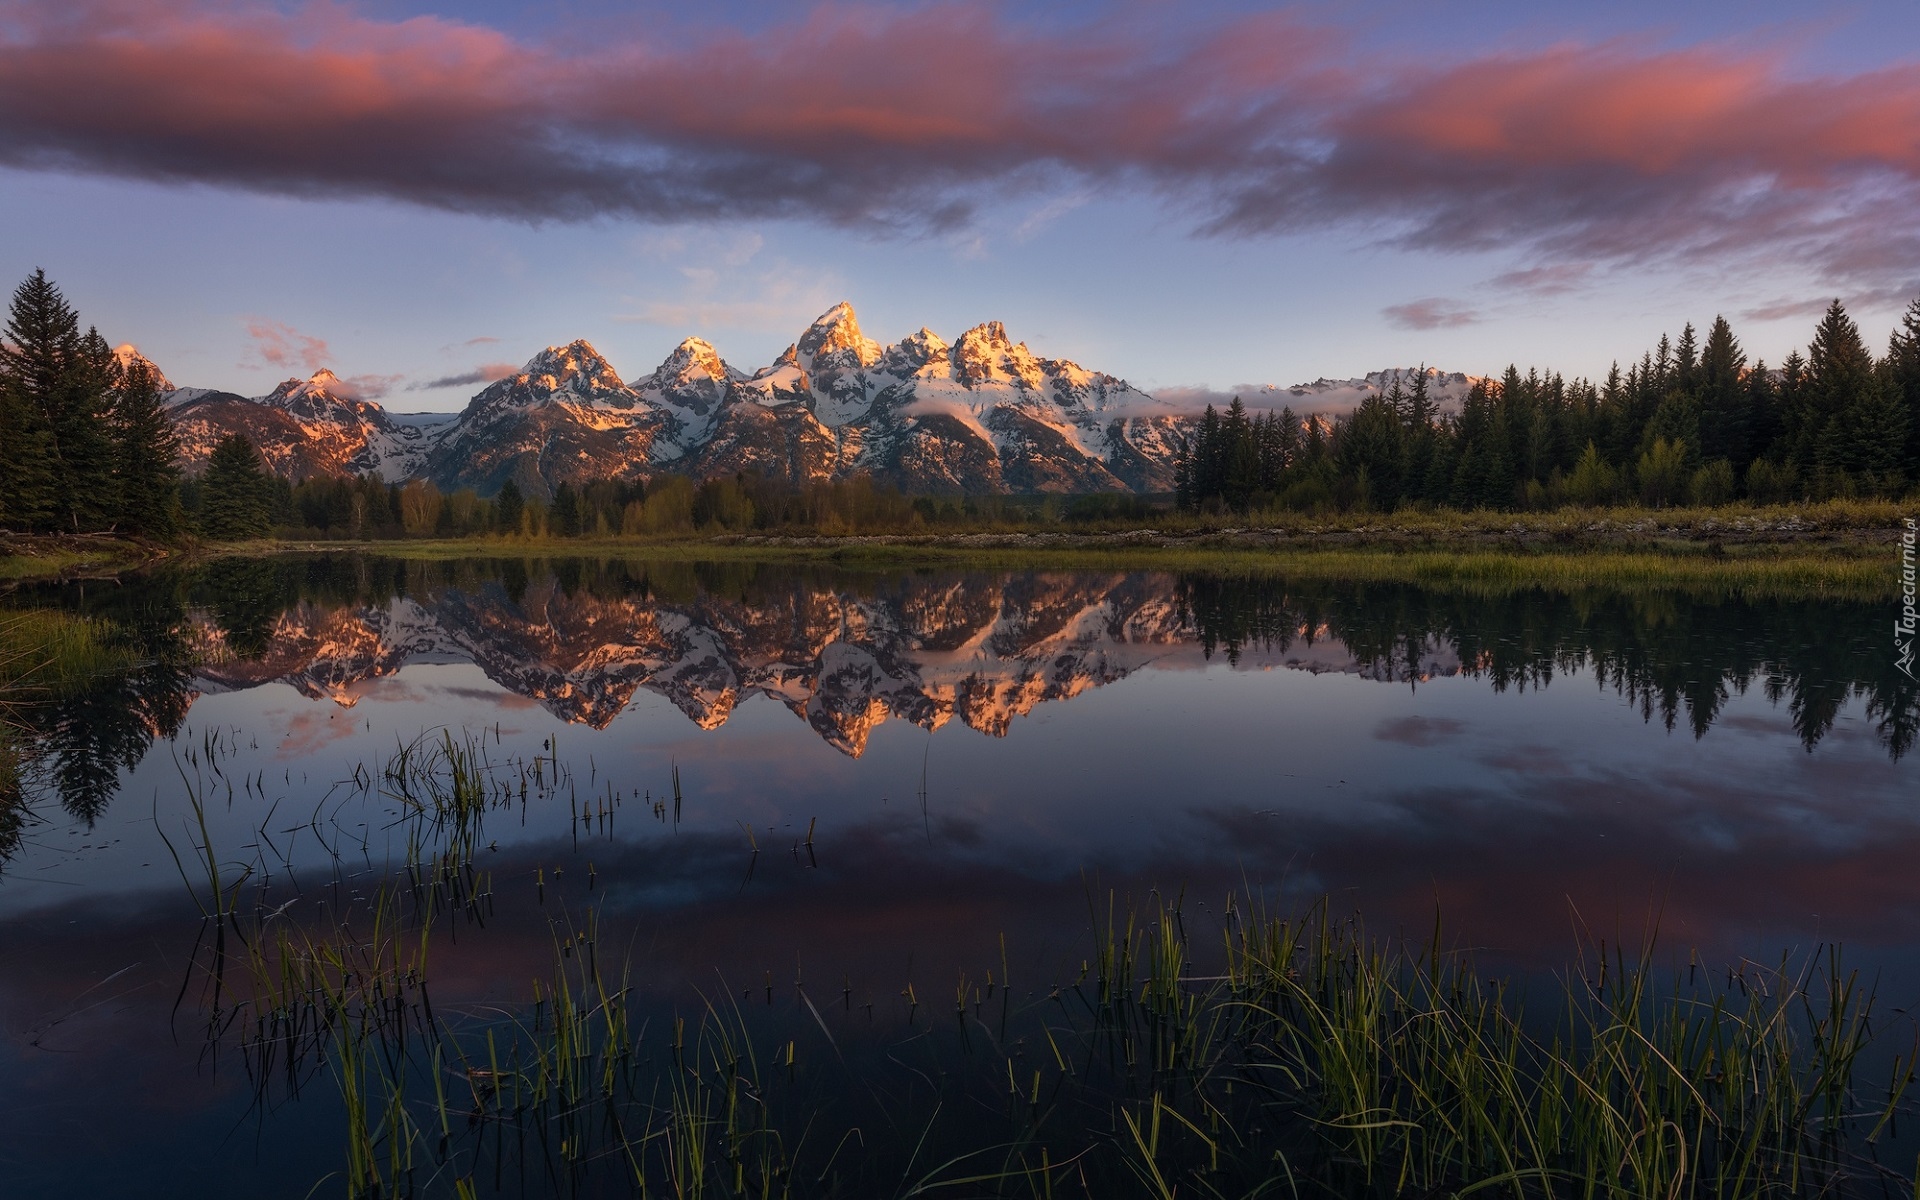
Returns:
(278, 344)
(1048, 213)
(481, 375)
(1434, 312)
(1419, 731)
(1781, 310)
(907, 120)
(1551, 280)
(368, 387)
(776, 297)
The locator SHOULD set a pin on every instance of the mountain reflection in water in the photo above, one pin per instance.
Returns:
(846, 651)
(886, 788)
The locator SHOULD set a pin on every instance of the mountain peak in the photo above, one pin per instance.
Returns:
(323, 384)
(128, 354)
(985, 353)
(835, 337)
(693, 359)
(915, 351)
(576, 362)
(985, 334)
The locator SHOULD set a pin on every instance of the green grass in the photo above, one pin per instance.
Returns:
(48, 652)
(1780, 571)
(24, 557)
(1842, 549)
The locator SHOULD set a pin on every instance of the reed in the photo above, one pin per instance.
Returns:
(1255, 1054)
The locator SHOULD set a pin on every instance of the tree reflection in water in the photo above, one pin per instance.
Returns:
(714, 628)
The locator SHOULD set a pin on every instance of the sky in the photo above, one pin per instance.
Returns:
(1196, 196)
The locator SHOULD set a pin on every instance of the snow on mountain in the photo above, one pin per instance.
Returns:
(304, 427)
(128, 354)
(1328, 397)
(565, 415)
(689, 388)
(980, 414)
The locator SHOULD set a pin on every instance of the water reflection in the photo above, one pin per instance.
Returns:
(846, 652)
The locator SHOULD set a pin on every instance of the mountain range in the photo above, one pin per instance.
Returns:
(982, 414)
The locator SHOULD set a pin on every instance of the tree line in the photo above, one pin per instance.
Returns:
(1691, 422)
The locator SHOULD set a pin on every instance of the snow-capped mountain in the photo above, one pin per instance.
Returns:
(304, 427)
(980, 414)
(1446, 389)
(565, 415)
(128, 354)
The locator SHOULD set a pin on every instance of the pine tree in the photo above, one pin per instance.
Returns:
(1852, 432)
(26, 463)
(1725, 404)
(238, 492)
(566, 510)
(1903, 383)
(146, 455)
(1686, 359)
(62, 377)
(508, 507)
(1240, 459)
(1370, 447)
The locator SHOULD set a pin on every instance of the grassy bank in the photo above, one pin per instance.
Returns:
(59, 556)
(1840, 550)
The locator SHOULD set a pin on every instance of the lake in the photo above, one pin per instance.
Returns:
(820, 805)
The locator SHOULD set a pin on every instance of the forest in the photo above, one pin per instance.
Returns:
(1689, 423)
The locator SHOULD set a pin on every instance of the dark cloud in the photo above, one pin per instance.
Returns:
(368, 387)
(480, 376)
(906, 120)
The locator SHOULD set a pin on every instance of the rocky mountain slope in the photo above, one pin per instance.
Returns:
(982, 414)
(302, 428)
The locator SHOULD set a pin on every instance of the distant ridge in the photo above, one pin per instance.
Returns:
(981, 414)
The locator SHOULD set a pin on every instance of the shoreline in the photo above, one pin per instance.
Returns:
(1840, 549)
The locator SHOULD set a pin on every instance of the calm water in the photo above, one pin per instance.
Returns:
(892, 779)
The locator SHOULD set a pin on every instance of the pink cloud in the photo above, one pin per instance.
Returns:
(1434, 312)
(1550, 280)
(281, 345)
(909, 118)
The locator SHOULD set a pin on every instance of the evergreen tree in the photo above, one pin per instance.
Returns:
(1370, 448)
(1903, 383)
(566, 510)
(1418, 444)
(1853, 432)
(1677, 422)
(508, 507)
(146, 455)
(1686, 359)
(1240, 458)
(61, 377)
(1724, 401)
(26, 463)
(238, 493)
